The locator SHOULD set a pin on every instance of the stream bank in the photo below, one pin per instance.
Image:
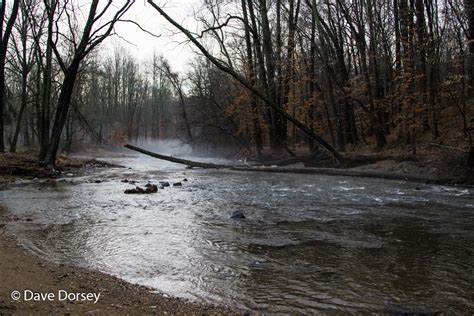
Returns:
(22, 271)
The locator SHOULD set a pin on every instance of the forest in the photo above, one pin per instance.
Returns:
(268, 76)
(237, 157)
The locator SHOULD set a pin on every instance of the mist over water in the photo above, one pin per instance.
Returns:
(179, 149)
(309, 243)
(167, 147)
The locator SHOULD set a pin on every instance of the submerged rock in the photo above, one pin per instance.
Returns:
(237, 215)
(164, 184)
(177, 184)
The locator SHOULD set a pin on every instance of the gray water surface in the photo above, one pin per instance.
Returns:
(310, 243)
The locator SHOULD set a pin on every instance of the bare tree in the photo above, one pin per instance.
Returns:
(83, 44)
(24, 52)
(4, 38)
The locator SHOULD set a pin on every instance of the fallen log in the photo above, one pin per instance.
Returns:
(344, 172)
(324, 171)
(189, 163)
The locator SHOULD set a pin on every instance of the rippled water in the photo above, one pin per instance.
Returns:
(309, 243)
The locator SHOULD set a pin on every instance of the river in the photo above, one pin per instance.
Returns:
(309, 243)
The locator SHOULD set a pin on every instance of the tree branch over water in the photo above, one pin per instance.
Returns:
(248, 85)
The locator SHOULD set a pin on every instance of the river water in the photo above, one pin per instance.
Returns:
(309, 243)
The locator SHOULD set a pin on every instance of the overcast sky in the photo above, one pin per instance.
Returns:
(142, 45)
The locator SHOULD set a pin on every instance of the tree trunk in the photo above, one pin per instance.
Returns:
(469, 8)
(62, 111)
(4, 38)
(257, 131)
(24, 78)
(44, 120)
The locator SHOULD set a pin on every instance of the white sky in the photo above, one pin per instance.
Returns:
(142, 44)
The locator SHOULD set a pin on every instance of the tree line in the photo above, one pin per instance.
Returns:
(278, 74)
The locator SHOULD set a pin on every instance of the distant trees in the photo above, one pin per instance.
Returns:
(280, 74)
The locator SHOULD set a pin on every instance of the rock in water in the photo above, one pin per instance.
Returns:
(164, 184)
(137, 190)
(177, 184)
(150, 189)
(237, 215)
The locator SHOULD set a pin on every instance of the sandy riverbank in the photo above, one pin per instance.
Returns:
(20, 270)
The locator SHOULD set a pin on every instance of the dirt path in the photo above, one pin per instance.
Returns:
(20, 271)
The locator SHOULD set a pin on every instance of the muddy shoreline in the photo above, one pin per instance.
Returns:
(22, 271)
